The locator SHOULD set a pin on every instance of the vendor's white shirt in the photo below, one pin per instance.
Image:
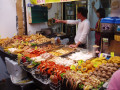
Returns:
(83, 30)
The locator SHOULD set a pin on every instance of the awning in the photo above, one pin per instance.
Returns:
(37, 2)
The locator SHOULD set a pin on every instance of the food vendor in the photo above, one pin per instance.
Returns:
(83, 27)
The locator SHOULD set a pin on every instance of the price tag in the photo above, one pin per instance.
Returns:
(40, 1)
(19, 56)
(35, 47)
(80, 62)
(95, 65)
(22, 42)
(72, 67)
(101, 55)
(26, 43)
(112, 54)
(14, 34)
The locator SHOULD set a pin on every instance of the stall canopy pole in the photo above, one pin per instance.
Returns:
(37, 2)
(25, 19)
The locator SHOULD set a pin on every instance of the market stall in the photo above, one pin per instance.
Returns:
(54, 66)
(58, 66)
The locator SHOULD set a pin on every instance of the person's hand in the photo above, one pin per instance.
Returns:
(73, 46)
(57, 21)
(92, 29)
(93, 4)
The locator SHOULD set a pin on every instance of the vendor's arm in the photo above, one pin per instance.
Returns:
(85, 32)
(72, 21)
(67, 21)
(75, 45)
(60, 21)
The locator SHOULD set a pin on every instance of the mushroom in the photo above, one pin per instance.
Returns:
(103, 72)
(107, 77)
(93, 76)
(114, 69)
(109, 73)
(116, 65)
(99, 71)
(98, 77)
(107, 64)
(99, 74)
(112, 65)
(95, 73)
(106, 68)
(103, 75)
(96, 69)
(103, 79)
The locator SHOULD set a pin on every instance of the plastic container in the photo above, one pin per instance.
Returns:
(108, 24)
(117, 37)
(95, 49)
(117, 24)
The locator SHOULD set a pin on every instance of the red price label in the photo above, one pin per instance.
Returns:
(40, 1)
(64, 0)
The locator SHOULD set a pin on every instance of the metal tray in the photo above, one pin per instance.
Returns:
(25, 68)
(42, 44)
(43, 81)
(12, 56)
(64, 47)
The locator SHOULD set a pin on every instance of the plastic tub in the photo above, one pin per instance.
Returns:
(117, 23)
(108, 24)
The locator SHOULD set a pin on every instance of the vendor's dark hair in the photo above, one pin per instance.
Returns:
(101, 11)
(83, 11)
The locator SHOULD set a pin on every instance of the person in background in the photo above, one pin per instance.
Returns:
(100, 14)
(83, 27)
(114, 83)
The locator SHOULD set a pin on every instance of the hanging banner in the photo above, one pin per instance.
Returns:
(37, 2)
(67, 0)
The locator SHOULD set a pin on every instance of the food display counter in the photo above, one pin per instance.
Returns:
(59, 67)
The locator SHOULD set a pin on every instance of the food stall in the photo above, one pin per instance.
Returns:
(58, 67)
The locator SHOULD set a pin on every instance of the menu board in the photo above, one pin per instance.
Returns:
(48, 1)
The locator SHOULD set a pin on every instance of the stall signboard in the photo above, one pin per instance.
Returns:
(115, 8)
(51, 1)
(37, 2)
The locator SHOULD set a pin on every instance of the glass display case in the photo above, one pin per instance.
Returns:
(69, 13)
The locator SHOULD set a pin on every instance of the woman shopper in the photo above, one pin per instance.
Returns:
(100, 14)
